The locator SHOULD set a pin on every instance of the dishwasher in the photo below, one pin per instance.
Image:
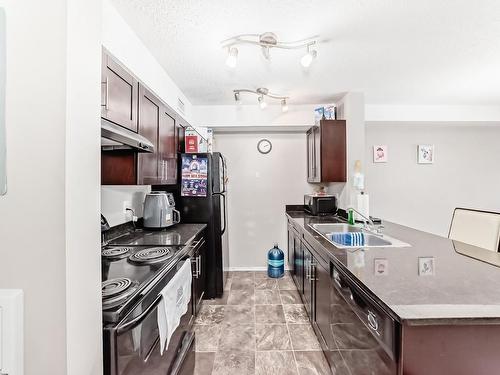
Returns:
(364, 338)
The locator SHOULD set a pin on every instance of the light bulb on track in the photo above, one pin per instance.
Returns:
(232, 57)
(308, 58)
(284, 106)
(262, 103)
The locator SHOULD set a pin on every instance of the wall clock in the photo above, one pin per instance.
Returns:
(264, 146)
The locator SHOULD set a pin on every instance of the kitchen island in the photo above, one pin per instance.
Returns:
(429, 308)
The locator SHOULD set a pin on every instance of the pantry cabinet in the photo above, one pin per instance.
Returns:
(327, 152)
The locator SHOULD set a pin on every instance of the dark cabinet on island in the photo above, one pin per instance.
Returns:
(395, 324)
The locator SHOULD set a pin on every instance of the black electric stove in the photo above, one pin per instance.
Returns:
(178, 235)
(133, 278)
(127, 271)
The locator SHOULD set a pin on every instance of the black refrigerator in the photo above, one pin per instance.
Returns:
(203, 199)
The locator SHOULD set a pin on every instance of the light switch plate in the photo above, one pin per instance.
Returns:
(11, 331)
(1, 346)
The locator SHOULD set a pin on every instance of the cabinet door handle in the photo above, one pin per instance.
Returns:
(198, 266)
(372, 321)
(312, 272)
(106, 94)
(195, 271)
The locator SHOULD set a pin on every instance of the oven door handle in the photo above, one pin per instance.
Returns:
(138, 319)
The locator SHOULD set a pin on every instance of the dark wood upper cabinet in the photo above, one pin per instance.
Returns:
(157, 123)
(127, 102)
(167, 149)
(150, 110)
(327, 152)
(118, 94)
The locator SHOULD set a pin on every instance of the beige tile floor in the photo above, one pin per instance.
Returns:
(258, 327)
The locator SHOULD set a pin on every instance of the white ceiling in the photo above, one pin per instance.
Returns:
(396, 51)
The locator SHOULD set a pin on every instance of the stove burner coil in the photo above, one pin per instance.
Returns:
(115, 252)
(115, 291)
(151, 255)
(115, 286)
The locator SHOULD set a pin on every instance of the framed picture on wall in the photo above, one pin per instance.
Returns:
(380, 154)
(425, 154)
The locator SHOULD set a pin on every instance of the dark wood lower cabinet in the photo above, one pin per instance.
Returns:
(298, 261)
(309, 282)
(290, 248)
(322, 291)
(198, 270)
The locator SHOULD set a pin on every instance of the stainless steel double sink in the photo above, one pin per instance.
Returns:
(327, 230)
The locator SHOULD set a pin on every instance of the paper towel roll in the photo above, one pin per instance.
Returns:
(363, 206)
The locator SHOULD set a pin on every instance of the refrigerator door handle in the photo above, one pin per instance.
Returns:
(223, 173)
(224, 200)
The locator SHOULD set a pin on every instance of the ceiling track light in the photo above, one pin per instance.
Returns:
(267, 41)
(284, 105)
(232, 57)
(308, 58)
(262, 93)
(262, 103)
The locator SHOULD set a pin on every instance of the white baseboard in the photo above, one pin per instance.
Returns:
(249, 269)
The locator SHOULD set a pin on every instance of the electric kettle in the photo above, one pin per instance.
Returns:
(159, 210)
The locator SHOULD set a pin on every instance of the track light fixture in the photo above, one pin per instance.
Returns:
(262, 103)
(262, 93)
(267, 41)
(308, 58)
(232, 57)
(284, 105)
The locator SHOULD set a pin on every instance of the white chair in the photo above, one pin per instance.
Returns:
(474, 227)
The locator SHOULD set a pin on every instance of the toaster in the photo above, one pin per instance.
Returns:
(320, 204)
(159, 210)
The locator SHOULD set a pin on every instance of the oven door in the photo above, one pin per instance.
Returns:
(133, 346)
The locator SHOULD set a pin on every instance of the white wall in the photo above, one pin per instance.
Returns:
(251, 115)
(259, 188)
(32, 221)
(351, 108)
(83, 250)
(48, 244)
(113, 198)
(465, 173)
(121, 41)
(432, 113)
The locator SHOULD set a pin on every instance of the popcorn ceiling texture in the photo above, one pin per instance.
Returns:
(424, 52)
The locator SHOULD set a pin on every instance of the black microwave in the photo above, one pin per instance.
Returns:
(320, 204)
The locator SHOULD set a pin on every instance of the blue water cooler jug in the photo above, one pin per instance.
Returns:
(275, 262)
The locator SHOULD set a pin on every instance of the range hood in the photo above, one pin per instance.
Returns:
(115, 137)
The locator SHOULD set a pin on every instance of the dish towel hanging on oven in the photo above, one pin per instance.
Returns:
(175, 302)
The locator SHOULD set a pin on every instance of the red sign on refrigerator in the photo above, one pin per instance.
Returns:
(191, 143)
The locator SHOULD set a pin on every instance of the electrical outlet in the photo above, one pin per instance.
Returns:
(127, 205)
